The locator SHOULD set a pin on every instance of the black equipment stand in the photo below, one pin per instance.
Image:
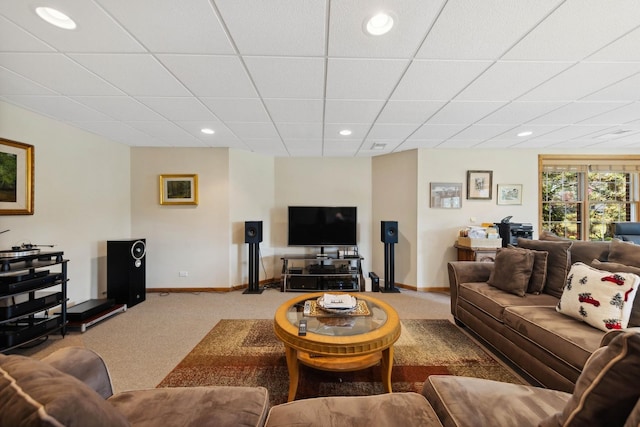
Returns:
(254, 270)
(389, 273)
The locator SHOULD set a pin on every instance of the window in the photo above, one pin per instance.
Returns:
(581, 196)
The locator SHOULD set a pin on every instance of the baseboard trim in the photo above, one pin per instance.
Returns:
(195, 290)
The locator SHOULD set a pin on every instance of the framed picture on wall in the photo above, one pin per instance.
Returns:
(446, 195)
(479, 185)
(16, 178)
(509, 194)
(178, 189)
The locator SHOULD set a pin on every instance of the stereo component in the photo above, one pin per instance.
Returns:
(126, 271)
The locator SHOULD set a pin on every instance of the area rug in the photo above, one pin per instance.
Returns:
(247, 353)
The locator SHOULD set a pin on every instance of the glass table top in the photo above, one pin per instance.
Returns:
(330, 324)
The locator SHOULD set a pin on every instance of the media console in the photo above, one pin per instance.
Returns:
(313, 273)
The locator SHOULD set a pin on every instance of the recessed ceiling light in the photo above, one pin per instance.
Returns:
(379, 24)
(525, 133)
(345, 132)
(55, 17)
(208, 131)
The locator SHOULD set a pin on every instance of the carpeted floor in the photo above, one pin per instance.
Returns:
(247, 352)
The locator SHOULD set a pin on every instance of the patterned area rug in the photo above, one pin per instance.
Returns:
(247, 353)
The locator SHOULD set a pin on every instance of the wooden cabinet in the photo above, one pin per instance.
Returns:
(476, 254)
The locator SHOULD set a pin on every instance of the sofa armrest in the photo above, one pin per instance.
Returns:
(607, 337)
(466, 272)
(84, 364)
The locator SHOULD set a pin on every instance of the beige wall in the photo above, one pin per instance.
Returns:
(195, 239)
(82, 196)
(322, 182)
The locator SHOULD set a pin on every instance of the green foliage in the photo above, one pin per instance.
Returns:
(8, 171)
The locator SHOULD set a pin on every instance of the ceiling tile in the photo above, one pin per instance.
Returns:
(569, 132)
(581, 80)
(253, 130)
(413, 18)
(410, 111)
(358, 131)
(134, 74)
(120, 132)
(460, 112)
(13, 84)
(214, 76)
(624, 90)
(96, 31)
(468, 29)
(179, 108)
(171, 134)
(435, 131)
(351, 111)
(576, 29)
(287, 77)
(482, 132)
(363, 78)
(222, 135)
(437, 80)
(575, 112)
(15, 39)
(519, 112)
(388, 131)
(300, 130)
(256, 26)
(623, 49)
(119, 107)
(237, 109)
(295, 110)
(143, 18)
(60, 107)
(58, 73)
(497, 84)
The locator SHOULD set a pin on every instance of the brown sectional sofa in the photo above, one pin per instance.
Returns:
(548, 347)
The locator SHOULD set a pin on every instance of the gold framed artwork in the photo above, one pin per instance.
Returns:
(16, 178)
(509, 194)
(177, 189)
(479, 184)
(446, 195)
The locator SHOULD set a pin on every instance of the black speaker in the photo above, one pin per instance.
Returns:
(389, 231)
(126, 271)
(253, 231)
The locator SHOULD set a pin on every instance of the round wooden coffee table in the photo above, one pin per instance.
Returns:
(338, 342)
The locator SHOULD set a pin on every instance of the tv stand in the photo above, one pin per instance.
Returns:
(318, 272)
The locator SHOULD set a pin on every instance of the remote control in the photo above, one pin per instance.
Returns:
(302, 327)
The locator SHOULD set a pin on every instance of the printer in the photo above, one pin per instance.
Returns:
(510, 231)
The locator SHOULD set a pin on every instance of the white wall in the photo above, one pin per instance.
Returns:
(82, 196)
(251, 195)
(195, 239)
(322, 182)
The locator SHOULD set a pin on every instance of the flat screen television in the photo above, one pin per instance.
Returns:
(322, 226)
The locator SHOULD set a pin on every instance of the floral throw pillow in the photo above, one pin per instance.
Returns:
(600, 298)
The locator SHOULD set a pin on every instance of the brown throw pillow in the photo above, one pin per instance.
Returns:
(557, 262)
(40, 395)
(512, 270)
(624, 253)
(539, 272)
(547, 235)
(607, 389)
(615, 267)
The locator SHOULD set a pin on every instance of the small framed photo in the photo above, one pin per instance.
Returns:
(509, 194)
(446, 195)
(479, 185)
(16, 178)
(179, 189)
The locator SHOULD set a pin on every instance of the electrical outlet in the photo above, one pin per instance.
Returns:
(183, 273)
(472, 219)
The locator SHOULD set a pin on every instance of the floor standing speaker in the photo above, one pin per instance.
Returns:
(126, 271)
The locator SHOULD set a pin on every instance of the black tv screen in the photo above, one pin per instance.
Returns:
(322, 225)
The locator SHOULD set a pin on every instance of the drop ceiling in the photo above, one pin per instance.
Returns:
(284, 77)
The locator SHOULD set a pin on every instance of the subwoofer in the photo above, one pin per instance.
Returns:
(126, 271)
(389, 231)
(253, 231)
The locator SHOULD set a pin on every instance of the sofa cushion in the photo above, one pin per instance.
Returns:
(586, 251)
(194, 406)
(600, 298)
(466, 401)
(560, 337)
(32, 393)
(539, 271)
(607, 389)
(624, 253)
(614, 267)
(512, 270)
(557, 262)
(391, 409)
